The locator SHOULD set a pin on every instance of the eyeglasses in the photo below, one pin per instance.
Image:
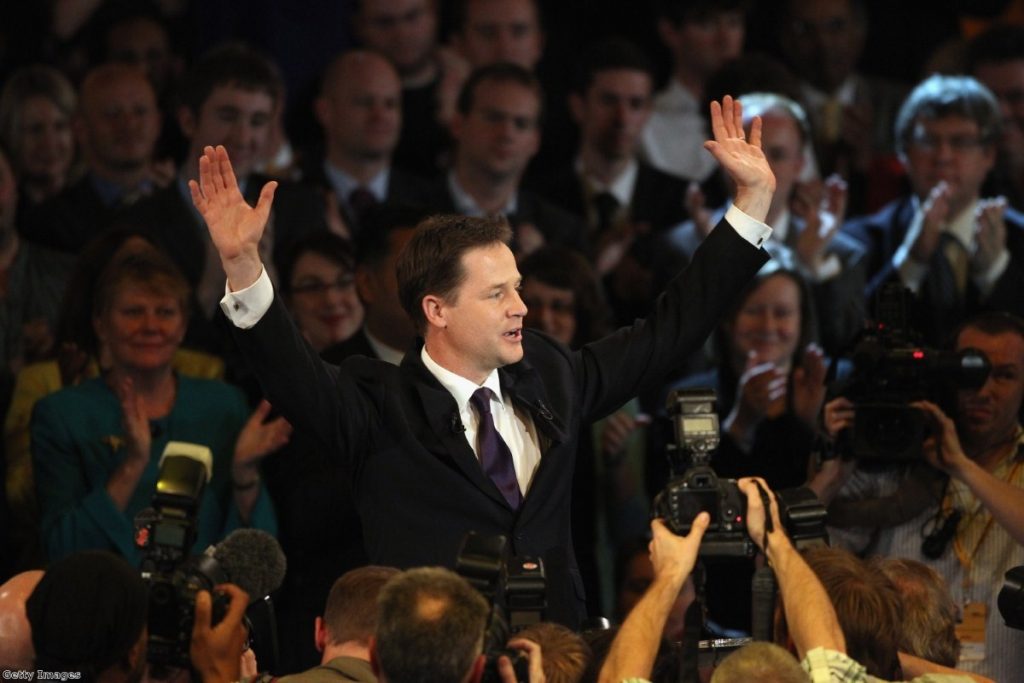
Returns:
(957, 143)
(320, 287)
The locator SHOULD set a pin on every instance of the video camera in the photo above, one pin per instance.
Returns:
(165, 532)
(890, 370)
(516, 591)
(1011, 598)
(694, 486)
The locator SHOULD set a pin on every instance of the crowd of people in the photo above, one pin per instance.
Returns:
(407, 269)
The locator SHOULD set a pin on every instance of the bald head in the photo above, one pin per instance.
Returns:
(360, 108)
(15, 634)
(118, 121)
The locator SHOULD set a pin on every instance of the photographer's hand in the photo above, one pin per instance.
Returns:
(533, 655)
(838, 415)
(942, 448)
(633, 651)
(216, 650)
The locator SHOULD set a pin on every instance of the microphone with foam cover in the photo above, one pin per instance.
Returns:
(252, 560)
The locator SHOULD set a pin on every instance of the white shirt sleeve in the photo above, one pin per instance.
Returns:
(245, 307)
(750, 229)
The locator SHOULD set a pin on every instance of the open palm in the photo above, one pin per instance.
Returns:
(235, 227)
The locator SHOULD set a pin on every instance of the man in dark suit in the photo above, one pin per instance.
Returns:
(409, 436)
(360, 111)
(623, 201)
(229, 98)
(496, 129)
(960, 254)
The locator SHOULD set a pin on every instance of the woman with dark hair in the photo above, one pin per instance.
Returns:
(563, 296)
(318, 285)
(96, 447)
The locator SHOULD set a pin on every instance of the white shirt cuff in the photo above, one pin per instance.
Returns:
(245, 307)
(986, 281)
(750, 229)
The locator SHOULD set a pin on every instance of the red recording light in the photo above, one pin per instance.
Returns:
(918, 354)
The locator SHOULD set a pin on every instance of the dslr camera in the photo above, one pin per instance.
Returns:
(516, 590)
(165, 533)
(887, 371)
(694, 487)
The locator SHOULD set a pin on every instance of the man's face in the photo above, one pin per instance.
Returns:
(784, 149)
(1006, 81)
(238, 119)
(704, 45)
(362, 112)
(144, 43)
(500, 133)
(823, 40)
(613, 112)
(948, 149)
(404, 31)
(990, 414)
(119, 123)
(501, 31)
(483, 323)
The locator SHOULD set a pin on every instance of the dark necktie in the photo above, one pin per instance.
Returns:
(605, 206)
(360, 200)
(495, 457)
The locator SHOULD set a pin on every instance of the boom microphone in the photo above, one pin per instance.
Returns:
(252, 560)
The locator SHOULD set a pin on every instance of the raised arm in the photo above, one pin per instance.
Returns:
(743, 160)
(235, 227)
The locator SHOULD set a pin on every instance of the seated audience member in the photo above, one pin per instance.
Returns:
(496, 131)
(996, 58)
(701, 38)
(78, 355)
(230, 97)
(319, 288)
(927, 613)
(959, 253)
(406, 34)
(431, 626)
(116, 127)
(360, 111)
(622, 200)
(495, 31)
(805, 219)
(851, 113)
(88, 617)
(16, 651)
(36, 106)
(387, 331)
(96, 446)
(811, 619)
(566, 653)
(348, 624)
(981, 451)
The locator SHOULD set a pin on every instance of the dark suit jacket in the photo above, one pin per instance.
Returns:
(69, 220)
(883, 233)
(418, 485)
(556, 224)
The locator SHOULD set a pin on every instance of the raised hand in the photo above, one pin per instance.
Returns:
(809, 385)
(742, 160)
(235, 227)
(822, 206)
(936, 212)
(989, 234)
(259, 437)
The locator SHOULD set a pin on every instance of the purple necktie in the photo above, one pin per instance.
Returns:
(495, 457)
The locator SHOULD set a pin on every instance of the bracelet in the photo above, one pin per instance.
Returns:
(247, 486)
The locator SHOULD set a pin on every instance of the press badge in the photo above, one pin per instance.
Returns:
(971, 632)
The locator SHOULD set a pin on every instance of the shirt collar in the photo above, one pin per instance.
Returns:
(111, 193)
(343, 184)
(460, 387)
(383, 351)
(677, 98)
(467, 206)
(621, 188)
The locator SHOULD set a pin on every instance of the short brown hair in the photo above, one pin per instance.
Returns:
(564, 652)
(431, 262)
(149, 270)
(351, 610)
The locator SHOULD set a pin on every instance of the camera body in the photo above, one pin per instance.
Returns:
(890, 370)
(515, 588)
(165, 533)
(695, 487)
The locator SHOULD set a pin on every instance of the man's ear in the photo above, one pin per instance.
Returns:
(374, 658)
(477, 671)
(319, 634)
(434, 311)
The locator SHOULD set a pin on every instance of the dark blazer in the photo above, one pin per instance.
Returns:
(882, 234)
(70, 219)
(556, 224)
(418, 485)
